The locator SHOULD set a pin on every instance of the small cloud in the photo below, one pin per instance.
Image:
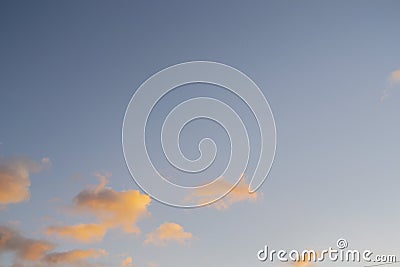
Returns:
(167, 232)
(85, 233)
(238, 194)
(45, 162)
(384, 95)
(392, 81)
(73, 256)
(395, 76)
(14, 178)
(127, 262)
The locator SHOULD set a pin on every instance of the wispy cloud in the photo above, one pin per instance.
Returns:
(14, 178)
(85, 233)
(392, 81)
(167, 232)
(238, 194)
(73, 256)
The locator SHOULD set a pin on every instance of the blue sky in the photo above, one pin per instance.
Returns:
(68, 70)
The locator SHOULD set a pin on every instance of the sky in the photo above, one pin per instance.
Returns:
(329, 69)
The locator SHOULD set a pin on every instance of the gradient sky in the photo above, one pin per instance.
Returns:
(328, 69)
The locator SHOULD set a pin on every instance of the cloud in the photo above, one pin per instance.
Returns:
(238, 194)
(384, 95)
(111, 208)
(168, 232)
(127, 262)
(85, 233)
(73, 256)
(14, 178)
(302, 264)
(25, 248)
(392, 81)
(36, 252)
(395, 76)
(306, 259)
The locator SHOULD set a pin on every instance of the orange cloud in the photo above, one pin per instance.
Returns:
(168, 232)
(127, 262)
(14, 178)
(306, 259)
(395, 76)
(25, 248)
(35, 252)
(73, 256)
(238, 193)
(112, 208)
(302, 264)
(80, 232)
